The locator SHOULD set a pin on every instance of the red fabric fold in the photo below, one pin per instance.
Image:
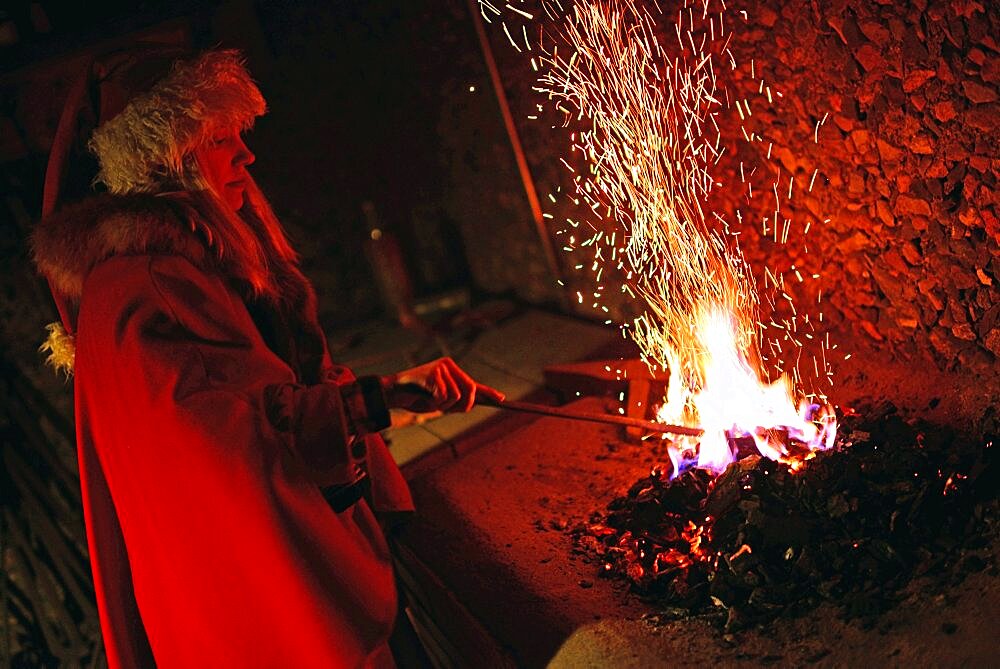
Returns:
(210, 541)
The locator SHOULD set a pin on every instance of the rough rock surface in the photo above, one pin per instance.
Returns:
(891, 109)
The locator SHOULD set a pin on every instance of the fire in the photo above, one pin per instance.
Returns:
(733, 402)
(650, 108)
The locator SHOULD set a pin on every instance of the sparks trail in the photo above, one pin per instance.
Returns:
(648, 146)
(638, 87)
(651, 135)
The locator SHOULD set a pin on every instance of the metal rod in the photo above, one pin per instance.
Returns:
(515, 141)
(609, 419)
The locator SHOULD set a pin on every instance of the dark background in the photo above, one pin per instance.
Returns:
(370, 102)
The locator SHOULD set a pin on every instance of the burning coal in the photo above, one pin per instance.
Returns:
(760, 541)
(651, 111)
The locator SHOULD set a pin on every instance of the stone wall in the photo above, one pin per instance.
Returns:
(909, 153)
(893, 107)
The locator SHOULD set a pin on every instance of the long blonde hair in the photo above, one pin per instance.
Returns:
(250, 242)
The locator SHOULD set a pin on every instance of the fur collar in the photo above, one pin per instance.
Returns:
(68, 244)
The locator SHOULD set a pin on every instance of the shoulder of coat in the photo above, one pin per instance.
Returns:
(69, 244)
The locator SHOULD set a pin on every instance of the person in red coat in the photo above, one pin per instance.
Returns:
(231, 471)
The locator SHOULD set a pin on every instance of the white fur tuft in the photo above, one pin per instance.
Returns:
(61, 348)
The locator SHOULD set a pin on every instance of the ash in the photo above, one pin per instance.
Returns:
(896, 499)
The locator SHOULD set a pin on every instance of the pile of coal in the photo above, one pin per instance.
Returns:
(894, 500)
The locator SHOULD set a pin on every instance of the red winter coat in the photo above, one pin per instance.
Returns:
(207, 424)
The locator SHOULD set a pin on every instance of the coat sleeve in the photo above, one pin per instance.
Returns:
(186, 329)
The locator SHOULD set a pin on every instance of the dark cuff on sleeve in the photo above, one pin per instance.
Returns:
(366, 404)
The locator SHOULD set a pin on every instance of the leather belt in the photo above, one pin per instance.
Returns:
(342, 497)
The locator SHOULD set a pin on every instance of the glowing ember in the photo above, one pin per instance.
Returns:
(649, 140)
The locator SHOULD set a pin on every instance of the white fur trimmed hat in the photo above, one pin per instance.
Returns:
(143, 144)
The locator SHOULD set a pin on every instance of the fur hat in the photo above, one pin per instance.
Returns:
(144, 146)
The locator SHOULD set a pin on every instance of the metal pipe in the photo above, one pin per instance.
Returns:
(515, 141)
(571, 414)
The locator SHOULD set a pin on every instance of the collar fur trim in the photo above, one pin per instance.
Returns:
(68, 244)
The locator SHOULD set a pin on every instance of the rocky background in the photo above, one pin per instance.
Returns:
(894, 107)
(910, 156)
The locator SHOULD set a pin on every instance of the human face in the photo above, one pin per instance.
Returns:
(223, 160)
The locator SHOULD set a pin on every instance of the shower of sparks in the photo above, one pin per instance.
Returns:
(650, 107)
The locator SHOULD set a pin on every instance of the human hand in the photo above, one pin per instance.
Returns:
(440, 385)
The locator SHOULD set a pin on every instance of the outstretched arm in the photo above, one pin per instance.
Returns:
(440, 385)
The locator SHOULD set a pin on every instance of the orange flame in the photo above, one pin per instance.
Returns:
(733, 402)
